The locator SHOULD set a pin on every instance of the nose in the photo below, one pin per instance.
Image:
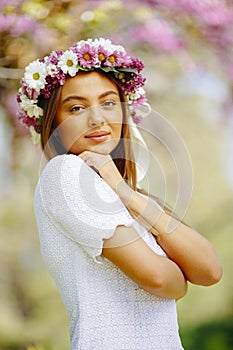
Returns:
(96, 117)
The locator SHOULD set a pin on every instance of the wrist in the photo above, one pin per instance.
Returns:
(126, 193)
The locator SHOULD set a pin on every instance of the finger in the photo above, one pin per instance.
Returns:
(84, 156)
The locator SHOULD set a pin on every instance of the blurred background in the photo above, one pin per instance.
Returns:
(187, 48)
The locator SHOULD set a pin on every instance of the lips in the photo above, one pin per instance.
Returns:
(98, 136)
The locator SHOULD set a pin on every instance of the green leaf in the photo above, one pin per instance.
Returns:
(109, 69)
(84, 69)
(127, 70)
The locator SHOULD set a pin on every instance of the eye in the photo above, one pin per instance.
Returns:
(76, 109)
(109, 104)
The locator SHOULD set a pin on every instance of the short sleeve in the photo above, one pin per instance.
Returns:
(80, 203)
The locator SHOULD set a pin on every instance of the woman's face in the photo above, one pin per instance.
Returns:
(89, 115)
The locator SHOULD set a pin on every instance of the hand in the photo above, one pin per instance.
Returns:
(104, 165)
(95, 160)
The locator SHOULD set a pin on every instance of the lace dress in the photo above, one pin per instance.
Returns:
(75, 210)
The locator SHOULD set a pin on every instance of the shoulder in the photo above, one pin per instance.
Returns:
(61, 162)
(61, 168)
(69, 176)
(56, 173)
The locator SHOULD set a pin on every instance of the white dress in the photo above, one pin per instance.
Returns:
(75, 210)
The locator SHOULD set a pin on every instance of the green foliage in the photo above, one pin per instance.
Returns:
(216, 335)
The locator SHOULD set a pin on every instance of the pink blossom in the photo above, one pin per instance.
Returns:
(17, 24)
(102, 54)
(24, 24)
(87, 56)
(211, 13)
(116, 59)
(160, 34)
(216, 15)
(5, 3)
(6, 22)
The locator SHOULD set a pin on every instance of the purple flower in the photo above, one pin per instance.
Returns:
(54, 56)
(58, 79)
(28, 122)
(140, 101)
(135, 63)
(133, 84)
(136, 118)
(18, 99)
(29, 92)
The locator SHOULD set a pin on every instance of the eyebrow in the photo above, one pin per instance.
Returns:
(81, 98)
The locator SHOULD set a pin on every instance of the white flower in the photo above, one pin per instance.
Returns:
(52, 69)
(35, 74)
(139, 93)
(35, 137)
(35, 111)
(105, 43)
(68, 63)
(30, 106)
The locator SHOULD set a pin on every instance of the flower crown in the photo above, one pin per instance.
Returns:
(42, 76)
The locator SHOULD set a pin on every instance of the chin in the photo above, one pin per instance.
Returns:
(105, 147)
(102, 149)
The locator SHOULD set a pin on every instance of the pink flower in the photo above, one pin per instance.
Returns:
(116, 59)
(88, 56)
(102, 54)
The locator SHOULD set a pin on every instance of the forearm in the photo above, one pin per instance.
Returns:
(187, 248)
(156, 274)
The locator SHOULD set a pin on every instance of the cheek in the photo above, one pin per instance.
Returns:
(70, 131)
(116, 124)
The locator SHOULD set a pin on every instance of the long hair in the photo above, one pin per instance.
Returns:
(122, 155)
(52, 145)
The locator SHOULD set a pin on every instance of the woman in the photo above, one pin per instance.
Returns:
(104, 243)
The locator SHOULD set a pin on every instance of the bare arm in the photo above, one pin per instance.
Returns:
(156, 274)
(191, 251)
(187, 248)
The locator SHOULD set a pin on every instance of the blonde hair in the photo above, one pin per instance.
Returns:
(122, 155)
